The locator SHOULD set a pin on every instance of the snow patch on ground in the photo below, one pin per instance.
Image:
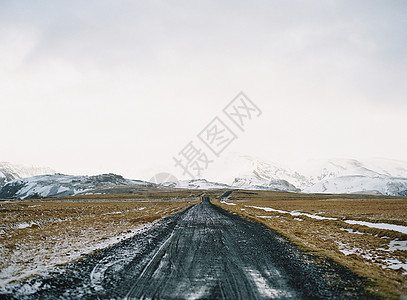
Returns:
(294, 213)
(348, 230)
(227, 203)
(386, 226)
(398, 245)
(389, 263)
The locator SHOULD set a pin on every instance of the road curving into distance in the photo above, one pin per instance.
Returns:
(203, 252)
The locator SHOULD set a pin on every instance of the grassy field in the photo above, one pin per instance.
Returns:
(332, 226)
(39, 234)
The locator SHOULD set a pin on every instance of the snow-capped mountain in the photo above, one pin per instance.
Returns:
(200, 184)
(253, 183)
(376, 176)
(335, 176)
(361, 185)
(58, 185)
(260, 172)
(239, 183)
(9, 172)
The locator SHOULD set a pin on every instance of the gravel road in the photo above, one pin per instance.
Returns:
(202, 252)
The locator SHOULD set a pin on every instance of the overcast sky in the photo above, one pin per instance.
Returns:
(88, 87)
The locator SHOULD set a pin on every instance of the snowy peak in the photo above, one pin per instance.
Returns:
(244, 166)
(9, 172)
(263, 184)
(361, 185)
(340, 167)
(387, 167)
(375, 176)
(200, 184)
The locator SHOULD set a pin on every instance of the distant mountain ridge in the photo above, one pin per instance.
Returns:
(59, 185)
(376, 176)
(256, 183)
(10, 171)
(201, 184)
(334, 176)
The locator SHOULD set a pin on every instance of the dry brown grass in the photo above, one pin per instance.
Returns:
(35, 235)
(368, 247)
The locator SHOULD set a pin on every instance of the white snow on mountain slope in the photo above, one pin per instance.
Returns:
(9, 171)
(252, 183)
(361, 185)
(332, 176)
(389, 167)
(201, 184)
(238, 183)
(235, 165)
(376, 176)
(58, 185)
(317, 171)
